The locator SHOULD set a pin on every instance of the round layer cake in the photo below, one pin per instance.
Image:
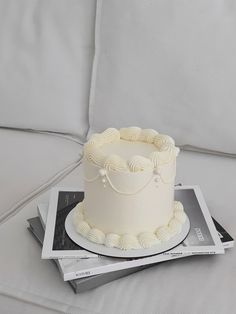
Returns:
(129, 189)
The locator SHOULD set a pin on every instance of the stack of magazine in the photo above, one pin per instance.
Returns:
(86, 270)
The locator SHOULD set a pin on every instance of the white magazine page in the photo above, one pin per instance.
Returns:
(56, 241)
(202, 239)
(43, 213)
(225, 237)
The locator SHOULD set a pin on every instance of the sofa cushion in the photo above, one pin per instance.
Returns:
(169, 66)
(14, 305)
(46, 53)
(28, 162)
(209, 287)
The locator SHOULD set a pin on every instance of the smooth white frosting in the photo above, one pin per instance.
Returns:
(127, 149)
(127, 202)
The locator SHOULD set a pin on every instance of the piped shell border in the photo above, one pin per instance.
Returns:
(129, 241)
(166, 150)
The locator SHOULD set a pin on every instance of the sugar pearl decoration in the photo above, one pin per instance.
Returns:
(102, 172)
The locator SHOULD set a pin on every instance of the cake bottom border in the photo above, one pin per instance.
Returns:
(128, 241)
(129, 253)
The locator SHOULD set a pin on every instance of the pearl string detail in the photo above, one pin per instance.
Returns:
(103, 175)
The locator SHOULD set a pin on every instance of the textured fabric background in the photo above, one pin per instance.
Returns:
(168, 65)
(46, 53)
(28, 162)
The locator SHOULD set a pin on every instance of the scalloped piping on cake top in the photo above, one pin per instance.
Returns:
(129, 241)
(165, 153)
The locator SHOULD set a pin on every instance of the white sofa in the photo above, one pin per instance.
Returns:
(69, 69)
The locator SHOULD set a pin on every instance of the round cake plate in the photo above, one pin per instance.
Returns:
(115, 252)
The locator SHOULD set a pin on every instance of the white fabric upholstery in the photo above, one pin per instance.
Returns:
(29, 160)
(14, 305)
(46, 53)
(200, 284)
(167, 65)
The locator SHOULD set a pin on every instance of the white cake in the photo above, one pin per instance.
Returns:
(129, 189)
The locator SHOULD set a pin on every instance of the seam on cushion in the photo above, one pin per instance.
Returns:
(97, 41)
(95, 65)
(17, 294)
(53, 180)
(202, 150)
(66, 136)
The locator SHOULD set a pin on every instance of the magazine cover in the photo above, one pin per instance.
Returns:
(56, 241)
(226, 239)
(81, 284)
(202, 239)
